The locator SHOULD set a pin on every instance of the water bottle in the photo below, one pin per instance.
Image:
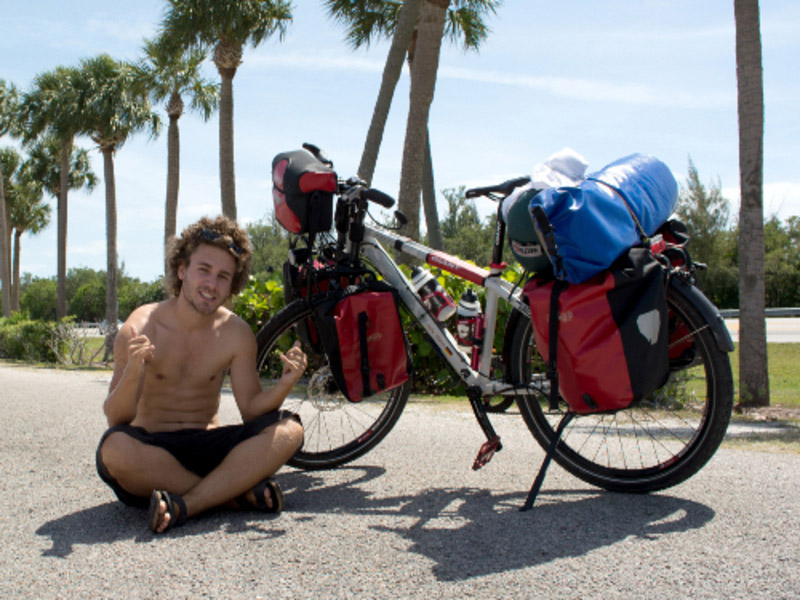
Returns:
(468, 314)
(433, 296)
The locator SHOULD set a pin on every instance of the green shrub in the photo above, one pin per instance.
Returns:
(261, 299)
(25, 339)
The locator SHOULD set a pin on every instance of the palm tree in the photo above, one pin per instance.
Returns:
(116, 107)
(28, 213)
(169, 74)
(54, 106)
(228, 27)
(371, 20)
(463, 19)
(44, 167)
(753, 372)
(8, 106)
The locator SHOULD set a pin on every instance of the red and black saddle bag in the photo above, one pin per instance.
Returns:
(314, 278)
(605, 340)
(363, 338)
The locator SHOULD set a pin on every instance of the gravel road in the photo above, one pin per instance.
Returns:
(409, 520)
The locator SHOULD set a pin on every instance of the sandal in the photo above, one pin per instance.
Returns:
(275, 494)
(176, 509)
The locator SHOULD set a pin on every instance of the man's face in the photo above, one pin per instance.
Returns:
(207, 278)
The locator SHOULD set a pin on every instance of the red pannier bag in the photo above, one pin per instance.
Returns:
(611, 333)
(302, 192)
(315, 278)
(361, 332)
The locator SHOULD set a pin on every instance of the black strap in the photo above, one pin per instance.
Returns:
(363, 321)
(642, 233)
(552, 362)
(547, 236)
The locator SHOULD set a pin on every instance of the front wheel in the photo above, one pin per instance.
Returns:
(337, 431)
(662, 440)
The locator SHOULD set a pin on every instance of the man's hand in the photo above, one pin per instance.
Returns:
(294, 363)
(140, 350)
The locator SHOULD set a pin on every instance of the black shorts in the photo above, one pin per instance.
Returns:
(198, 450)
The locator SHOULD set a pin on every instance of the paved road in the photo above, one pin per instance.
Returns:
(409, 520)
(780, 330)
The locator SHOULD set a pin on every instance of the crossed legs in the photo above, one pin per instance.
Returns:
(140, 468)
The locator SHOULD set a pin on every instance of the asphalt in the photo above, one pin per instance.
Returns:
(409, 520)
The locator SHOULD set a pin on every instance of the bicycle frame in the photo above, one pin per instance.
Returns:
(496, 288)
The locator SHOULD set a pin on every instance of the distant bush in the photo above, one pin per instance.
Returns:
(24, 339)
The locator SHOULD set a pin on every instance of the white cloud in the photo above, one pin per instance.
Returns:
(316, 62)
(781, 198)
(593, 90)
(126, 32)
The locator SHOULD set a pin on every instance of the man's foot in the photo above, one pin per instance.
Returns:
(166, 511)
(266, 497)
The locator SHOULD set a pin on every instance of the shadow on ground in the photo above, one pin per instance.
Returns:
(466, 532)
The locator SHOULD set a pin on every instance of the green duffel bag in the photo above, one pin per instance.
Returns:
(522, 235)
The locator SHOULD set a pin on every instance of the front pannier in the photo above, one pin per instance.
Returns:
(361, 332)
(302, 192)
(605, 340)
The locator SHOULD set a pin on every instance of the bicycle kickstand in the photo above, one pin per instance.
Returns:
(492, 443)
(537, 484)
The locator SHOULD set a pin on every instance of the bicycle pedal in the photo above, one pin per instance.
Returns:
(487, 451)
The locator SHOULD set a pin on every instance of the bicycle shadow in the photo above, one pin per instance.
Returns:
(469, 532)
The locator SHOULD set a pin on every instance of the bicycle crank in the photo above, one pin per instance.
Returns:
(492, 444)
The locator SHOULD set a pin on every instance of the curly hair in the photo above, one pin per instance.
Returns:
(220, 233)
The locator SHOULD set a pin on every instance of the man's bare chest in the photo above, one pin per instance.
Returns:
(195, 361)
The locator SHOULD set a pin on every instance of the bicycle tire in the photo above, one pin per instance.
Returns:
(337, 431)
(662, 440)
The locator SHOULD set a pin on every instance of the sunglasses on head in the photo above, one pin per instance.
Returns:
(210, 236)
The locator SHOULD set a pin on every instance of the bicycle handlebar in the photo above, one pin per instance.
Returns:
(377, 196)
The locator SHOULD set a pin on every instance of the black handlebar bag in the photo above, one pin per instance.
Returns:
(363, 338)
(606, 341)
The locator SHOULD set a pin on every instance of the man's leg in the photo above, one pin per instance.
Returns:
(141, 468)
(247, 464)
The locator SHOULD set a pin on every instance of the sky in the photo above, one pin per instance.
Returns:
(605, 78)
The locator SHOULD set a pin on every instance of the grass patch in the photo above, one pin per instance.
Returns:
(784, 376)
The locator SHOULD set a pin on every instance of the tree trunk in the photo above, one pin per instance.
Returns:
(15, 275)
(5, 251)
(111, 251)
(61, 274)
(423, 83)
(173, 182)
(406, 22)
(226, 171)
(429, 200)
(753, 371)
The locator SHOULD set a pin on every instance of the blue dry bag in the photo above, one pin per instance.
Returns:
(608, 213)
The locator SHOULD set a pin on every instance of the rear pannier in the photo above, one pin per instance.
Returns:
(303, 189)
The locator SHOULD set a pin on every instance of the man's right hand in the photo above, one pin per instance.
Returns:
(140, 350)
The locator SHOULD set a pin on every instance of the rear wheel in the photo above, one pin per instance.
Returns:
(336, 430)
(661, 441)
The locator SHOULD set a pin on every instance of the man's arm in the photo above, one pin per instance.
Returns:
(131, 353)
(251, 399)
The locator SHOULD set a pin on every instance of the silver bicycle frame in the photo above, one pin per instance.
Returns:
(496, 288)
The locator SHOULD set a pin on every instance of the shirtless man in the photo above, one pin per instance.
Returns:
(165, 448)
